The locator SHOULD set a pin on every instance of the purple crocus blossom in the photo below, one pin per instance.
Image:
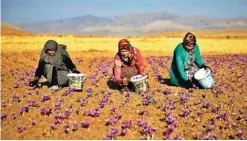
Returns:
(66, 127)
(16, 98)
(126, 124)
(20, 128)
(77, 111)
(239, 133)
(16, 85)
(45, 97)
(3, 116)
(67, 113)
(85, 124)
(210, 127)
(57, 105)
(185, 112)
(13, 116)
(75, 123)
(4, 104)
(206, 104)
(123, 132)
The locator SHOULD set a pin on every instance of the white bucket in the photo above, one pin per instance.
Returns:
(140, 83)
(204, 78)
(76, 81)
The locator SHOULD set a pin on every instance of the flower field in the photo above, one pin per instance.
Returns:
(102, 112)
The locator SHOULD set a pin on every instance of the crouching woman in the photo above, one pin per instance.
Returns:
(186, 61)
(54, 64)
(128, 62)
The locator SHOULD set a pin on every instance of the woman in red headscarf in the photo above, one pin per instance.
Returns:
(128, 62)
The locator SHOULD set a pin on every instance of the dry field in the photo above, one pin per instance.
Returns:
(164, 112)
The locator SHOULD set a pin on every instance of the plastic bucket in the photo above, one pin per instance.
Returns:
(140, 83)
(76, 81)
(204, 78)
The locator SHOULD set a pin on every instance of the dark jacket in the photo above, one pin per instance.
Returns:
(56, 66)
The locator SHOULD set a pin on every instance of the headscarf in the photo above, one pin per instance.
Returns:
(51, 45)
(125, 44)
(56, 59)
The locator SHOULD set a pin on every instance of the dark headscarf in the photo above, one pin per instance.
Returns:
(51, 45)
(57, 59)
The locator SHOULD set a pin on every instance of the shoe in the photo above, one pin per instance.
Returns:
(54, 87)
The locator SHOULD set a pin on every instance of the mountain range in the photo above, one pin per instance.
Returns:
(133, 24)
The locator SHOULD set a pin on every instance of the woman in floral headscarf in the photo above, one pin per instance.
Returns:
(128, 62)
(186, 61)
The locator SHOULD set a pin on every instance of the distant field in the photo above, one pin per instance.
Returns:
(152, 44)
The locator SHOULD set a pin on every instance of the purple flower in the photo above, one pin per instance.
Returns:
(231, 101)
(3, 116)
(234, 124)
(123, 132)
(57, 105)
(185, 112)
(239, 133)
(83, 102)
(75, 123)
(45, 111)
(184, 98)
(93, 113)
(206, 104)
(142, 123)
(16, 85)
(77, 111)
(85, 124)
(67, 113)
(33, 122)
(16, 98)
(113, 131)
(66, 127)
(178, 137)
(20, 128)
(45, 97)
(126, 124)
(113, 109)
(216, 109)
(89, 90)
(4, 104)
(200, 112)
(21, 110)
(148, 130)
(140, 112)
(204, 96)
(33, 103)
(170, 119)
(210, 127)
(108, 121)
(13, 116)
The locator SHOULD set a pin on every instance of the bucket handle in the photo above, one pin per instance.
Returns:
(84, 78)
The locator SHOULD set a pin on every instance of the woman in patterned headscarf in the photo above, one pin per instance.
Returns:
(54, 65)
(128, 62)
(186, 61)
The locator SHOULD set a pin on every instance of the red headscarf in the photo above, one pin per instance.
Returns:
(124, 44)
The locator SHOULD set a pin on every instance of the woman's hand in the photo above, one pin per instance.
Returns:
(125, 81)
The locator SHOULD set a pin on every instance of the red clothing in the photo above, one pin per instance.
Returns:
(136, 62)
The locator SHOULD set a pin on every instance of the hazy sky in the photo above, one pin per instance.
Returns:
(19, 11)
